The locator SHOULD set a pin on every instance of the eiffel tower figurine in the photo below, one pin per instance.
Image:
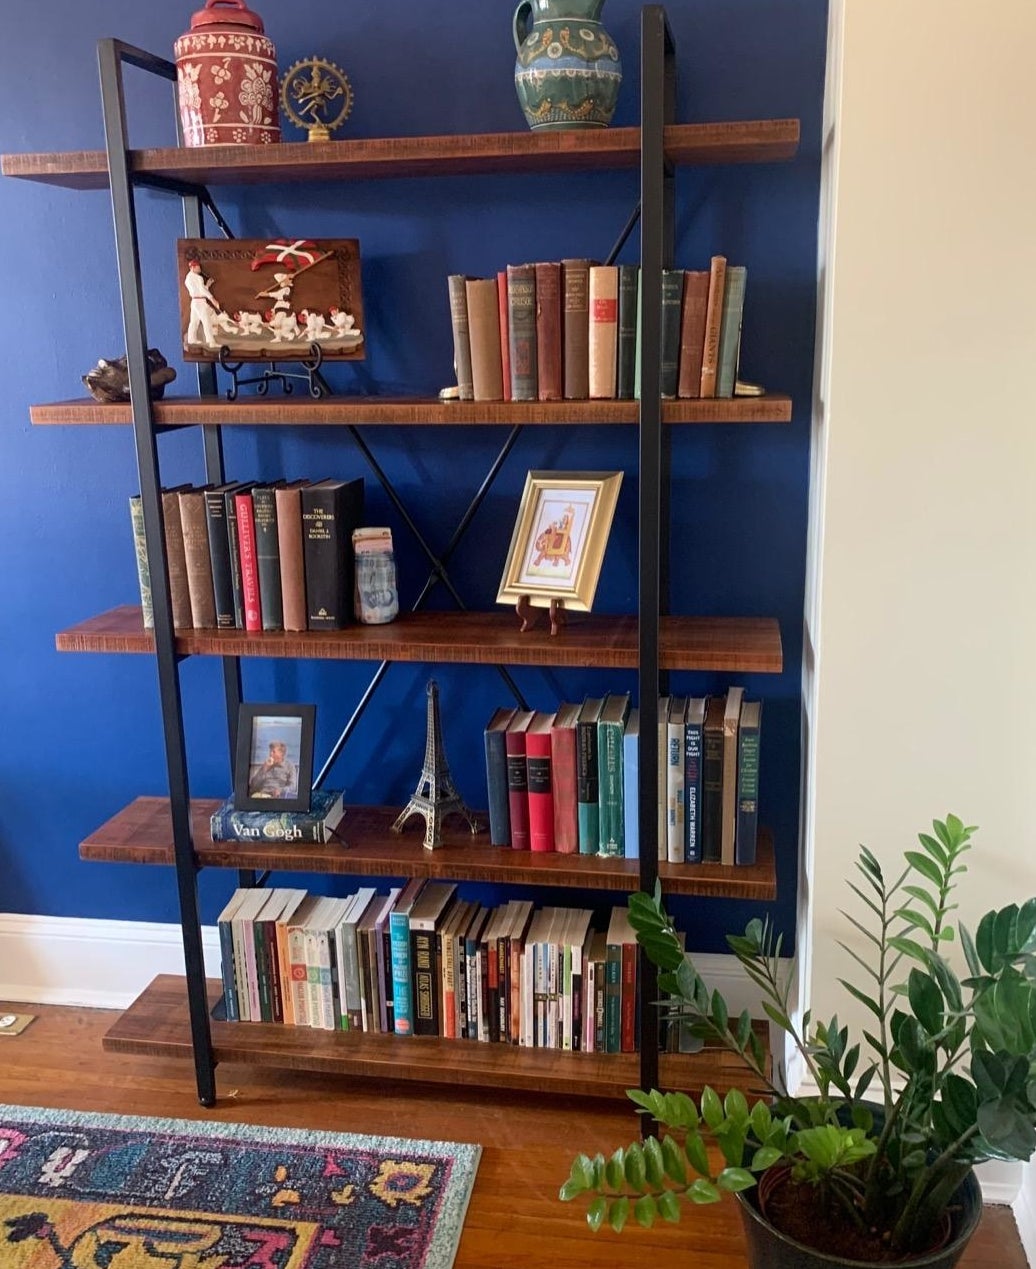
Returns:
(435, 796)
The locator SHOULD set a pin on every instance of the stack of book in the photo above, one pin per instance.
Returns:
(256, 557)
(567, 781)
(569, 330)
(420, 960)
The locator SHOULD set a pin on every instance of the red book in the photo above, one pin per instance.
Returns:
(505, 338)
(563, 780)
(541, 793)
(628, 999)
(249, 561)
(518, 779)
(548, 331)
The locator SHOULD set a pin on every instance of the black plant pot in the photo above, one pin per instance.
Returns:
(768, 1248)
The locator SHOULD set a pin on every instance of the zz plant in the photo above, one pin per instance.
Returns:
(950, 1062)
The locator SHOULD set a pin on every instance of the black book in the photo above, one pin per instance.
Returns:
(331, 510)
(626, 354)
(587, 780)
(672, 309)
(230, 511)
(219, 553)
(712, 781)
(268, 555)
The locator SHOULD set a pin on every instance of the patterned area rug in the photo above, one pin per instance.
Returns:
(84, 1191)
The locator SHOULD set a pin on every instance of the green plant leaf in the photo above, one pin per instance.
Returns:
(645, 1210)
(922, 895)
(862, 997)
(735, 1179)
(570, 1190)
(909, 947)
(776, 1015)
(596, 1213)
(939, 852)
(711, 1108)
(765, 1157)
(1006, 1129)
(917, 920)
(615, 1170)
(926, 1001)
(735, 1106)
(694, 1148)
(761, 1119)
(619, 1214)
(922, 864)
(636, 1168)
(669, 1206)
(673, 1161)
(959, 1102)
(581, 1173)
(703, 1191)
(653, 1162)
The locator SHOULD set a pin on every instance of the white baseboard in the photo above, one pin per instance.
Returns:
(1024, 1208)
(90, 963)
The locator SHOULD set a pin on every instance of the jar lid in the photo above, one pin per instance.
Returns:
(227, 12)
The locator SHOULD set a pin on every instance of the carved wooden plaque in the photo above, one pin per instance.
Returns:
(270, 299)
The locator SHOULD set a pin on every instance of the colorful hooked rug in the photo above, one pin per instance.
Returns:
(84, 1191)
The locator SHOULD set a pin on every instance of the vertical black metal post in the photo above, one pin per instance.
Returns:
(657, 74)
(111, 54)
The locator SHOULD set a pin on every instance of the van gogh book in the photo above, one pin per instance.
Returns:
(319, 824)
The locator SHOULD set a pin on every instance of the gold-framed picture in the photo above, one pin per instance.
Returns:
(559, 539)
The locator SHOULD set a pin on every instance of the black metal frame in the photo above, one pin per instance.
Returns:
(655, 213)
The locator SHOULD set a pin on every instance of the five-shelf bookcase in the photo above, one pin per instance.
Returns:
(174, 831)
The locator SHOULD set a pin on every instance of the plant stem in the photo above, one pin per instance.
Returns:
(931, 1182)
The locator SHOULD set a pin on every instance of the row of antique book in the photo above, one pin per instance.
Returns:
(569, 330)
(568, 781)
(250, 556)
(421, 960)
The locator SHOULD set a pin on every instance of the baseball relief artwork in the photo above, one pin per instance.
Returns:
(260, 299)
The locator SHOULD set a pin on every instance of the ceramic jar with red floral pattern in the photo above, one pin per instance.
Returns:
(226, 71)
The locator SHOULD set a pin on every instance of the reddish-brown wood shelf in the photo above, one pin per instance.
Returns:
(157, 1025)
(736, 644)
(407, 411)
(757, 141)
(142, 833)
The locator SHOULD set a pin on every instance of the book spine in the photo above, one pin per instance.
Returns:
(575, 286)
(456, 282)
(484, 335)
(747, 795)
(425, 1001)
(299, 975)
(251, 971)
(611, 811)
(329, 516)
(143, 568)
(729, 794)
(631, 793)
(234, 555)
(692, 332)
(604, 326)
(289, 550)
(613, 999)
(273, 971)
(521, 330)
(504, 333)
(249, 564)
(222, 828)
(448, 986)
(626, 336)
(244, 1012)
(349, 977)
(587, 808)
(219, 559)
(548, 331)
(541, 792)
(262, 971)
(730, 329)
(284, 972)
(496, 782)
(628, 1000)
(176, 561)
(692, 777)
(226, 948)
(199, 563)
(672, 305)
(399, 940)
(268, 557)
(675, 792)
(563, 777)
(518, 790)
(711, 794)
(713, 325)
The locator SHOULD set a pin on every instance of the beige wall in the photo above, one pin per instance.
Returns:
(920, 674)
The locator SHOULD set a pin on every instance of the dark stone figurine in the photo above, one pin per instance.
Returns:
(108, 382)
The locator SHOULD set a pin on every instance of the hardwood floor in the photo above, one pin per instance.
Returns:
(514, 1218)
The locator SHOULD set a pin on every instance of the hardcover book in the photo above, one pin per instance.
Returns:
(712, 781)
(747, 782)
(626, 334)
(692, 773)
(319, 824)
(713, 325)
(518, 779)
(587, 778)
(575, 286)
(234, 551)
(541, 789)
(672, 306)
(674, 779)
(399, 942)
(731, 715)
(604, 329)
(268, 556)
(484, 335)
(244, 515)
(521, 326)
(563, 774)
(288, 501)
(663, 777)
(176, 560)
(226, 948)
(631, 784)
(496, 777)
(331, 510)
(456, 283)
(611, 814)
(692, 332)
(730, 329)
(143, 568)
(548, 331)
(426, 916)
(504, 333)
(199, 562)
(219, 554)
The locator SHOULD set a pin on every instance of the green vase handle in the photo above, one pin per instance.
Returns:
(521, 24)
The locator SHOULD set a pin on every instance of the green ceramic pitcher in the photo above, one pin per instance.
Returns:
(568, 71)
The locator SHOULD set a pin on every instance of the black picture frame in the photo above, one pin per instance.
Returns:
(266, 778)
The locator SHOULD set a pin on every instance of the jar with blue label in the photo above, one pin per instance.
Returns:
(376, 600)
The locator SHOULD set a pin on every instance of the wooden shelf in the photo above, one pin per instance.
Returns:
(759, 141)
(404, 411)
(157, 1025)
(749, 645)
(142, 833)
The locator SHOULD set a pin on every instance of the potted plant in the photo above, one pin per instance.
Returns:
(875, 1165)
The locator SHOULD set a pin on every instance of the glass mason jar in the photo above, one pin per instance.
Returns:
(376, 599)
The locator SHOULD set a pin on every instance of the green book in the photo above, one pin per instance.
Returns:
(730, 329)
(587, 777)
(611, 808)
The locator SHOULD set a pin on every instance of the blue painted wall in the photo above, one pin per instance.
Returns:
(83, 732)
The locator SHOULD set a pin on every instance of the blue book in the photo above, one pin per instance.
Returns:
(318, 824)
(748, 782)
(226, 948)
(399, 947)
(631, 783)
(496, 777)
(693, 742)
